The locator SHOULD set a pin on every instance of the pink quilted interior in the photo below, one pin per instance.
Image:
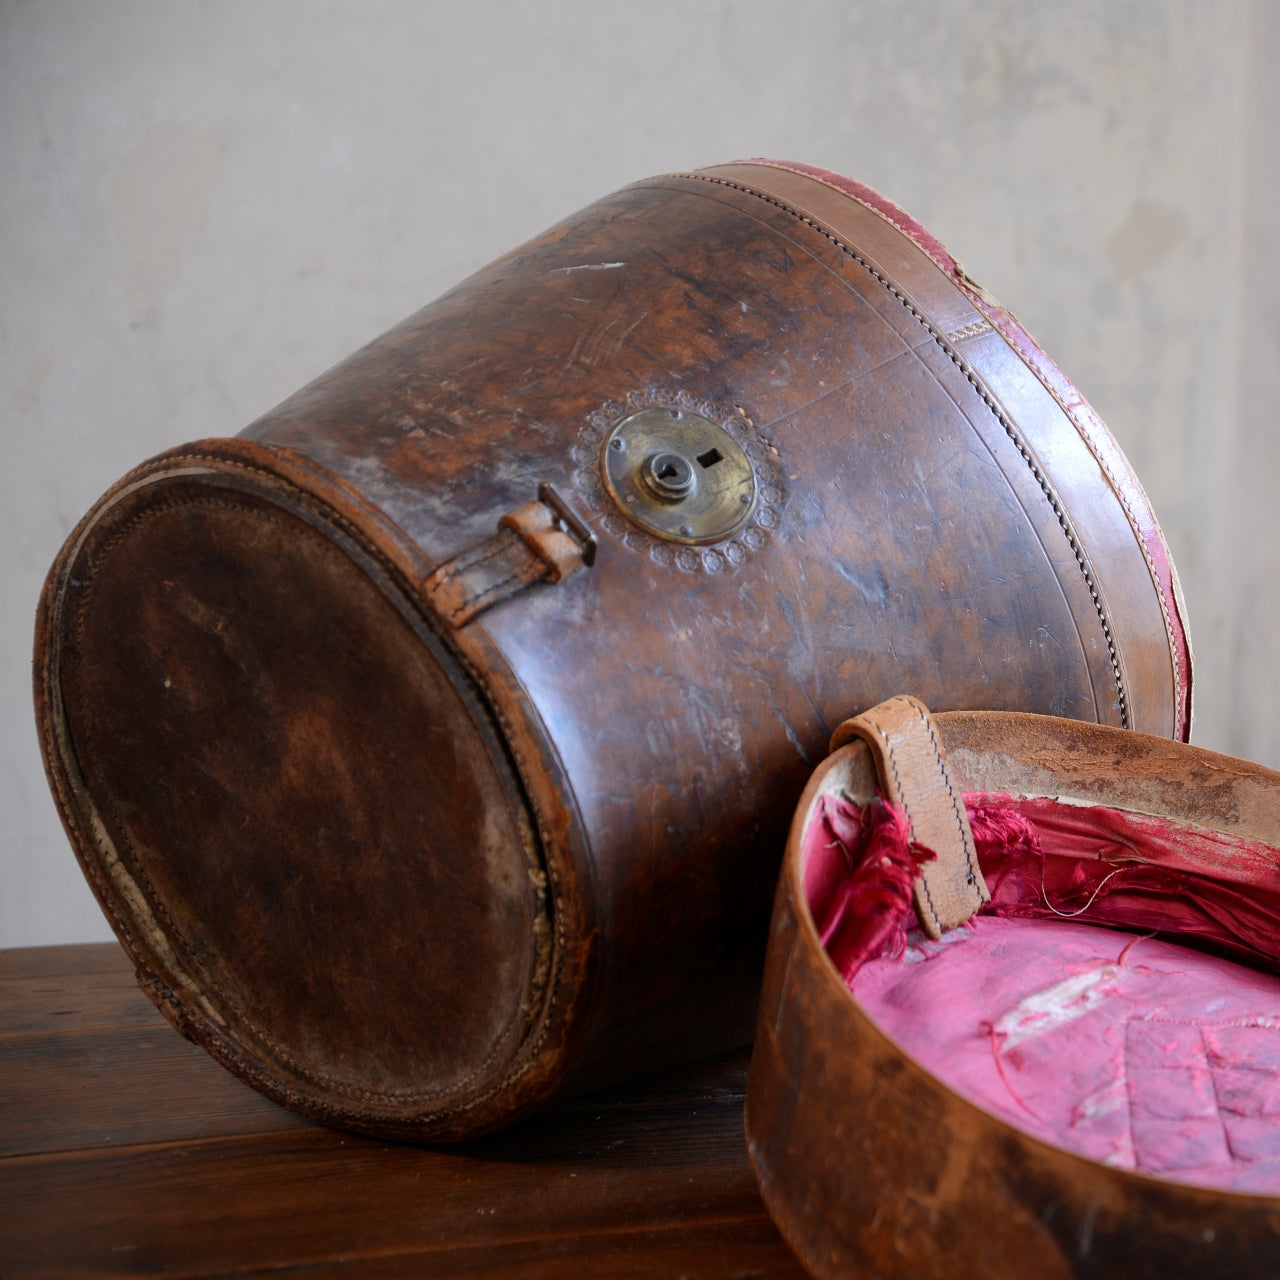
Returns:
(1058, 1008)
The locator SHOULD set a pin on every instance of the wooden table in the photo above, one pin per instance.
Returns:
(126, 1151)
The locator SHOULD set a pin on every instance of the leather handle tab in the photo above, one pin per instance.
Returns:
(540, 541)
(913, 775)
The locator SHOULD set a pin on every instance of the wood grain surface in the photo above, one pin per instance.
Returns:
(126, 1151)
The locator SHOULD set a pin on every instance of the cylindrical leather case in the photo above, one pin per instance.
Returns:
(1030, 1111)
(430, 745)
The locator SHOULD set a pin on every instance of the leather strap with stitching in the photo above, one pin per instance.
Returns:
(533, 544)
(913, 776)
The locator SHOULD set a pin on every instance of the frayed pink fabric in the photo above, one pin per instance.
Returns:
(1126, 1048)
(859, 878)
(1132, 870)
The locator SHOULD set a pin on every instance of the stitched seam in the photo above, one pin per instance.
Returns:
(946, 779)
(1217, 1097)
(1134, 524)
(1257, 1021)
(902, 800)
(1136, 527)
(473, 559)
(884, 214)
(970, 331)
(509, 740)
(1155, 578)
(986, 397)
(329, 515)
(1128, 1092)
(496, 591)
(1081, 427)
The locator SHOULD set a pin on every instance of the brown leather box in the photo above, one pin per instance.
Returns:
(430, 745)
(1026, 1022)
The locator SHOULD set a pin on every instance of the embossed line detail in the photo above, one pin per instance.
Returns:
(1055, 503)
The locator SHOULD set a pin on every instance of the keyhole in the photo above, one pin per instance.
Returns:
(669, 475)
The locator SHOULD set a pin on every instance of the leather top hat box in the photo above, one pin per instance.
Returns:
(1021, 1013)
(431, 744)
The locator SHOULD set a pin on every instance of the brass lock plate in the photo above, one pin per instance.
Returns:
(678, 475)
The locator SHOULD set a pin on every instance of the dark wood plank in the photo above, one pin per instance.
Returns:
(130, 1152)
(86, 1060)
(115, 1087)
(310, 1198)
(731, 1250)
(84, 957)
(58, 1003)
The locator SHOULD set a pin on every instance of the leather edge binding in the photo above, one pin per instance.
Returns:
(1090, 426)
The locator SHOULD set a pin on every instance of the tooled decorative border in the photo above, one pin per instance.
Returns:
(766, 461)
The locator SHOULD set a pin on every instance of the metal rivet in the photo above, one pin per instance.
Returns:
(617, 443)
(687, 530)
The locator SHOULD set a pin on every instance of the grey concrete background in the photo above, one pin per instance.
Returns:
(203, 205)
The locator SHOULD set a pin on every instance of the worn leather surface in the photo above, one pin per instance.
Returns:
(286, 744)
(872, 1166)
(931, 516)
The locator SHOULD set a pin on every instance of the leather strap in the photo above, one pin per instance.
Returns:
(539, 541)
(913, 775)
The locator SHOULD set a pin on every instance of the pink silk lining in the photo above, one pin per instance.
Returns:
(1129, 1049)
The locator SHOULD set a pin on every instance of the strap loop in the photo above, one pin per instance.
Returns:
(913, 775)
(540, 541)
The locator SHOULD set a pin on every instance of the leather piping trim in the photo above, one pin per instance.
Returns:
(1002, 321)
(1055, 503)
